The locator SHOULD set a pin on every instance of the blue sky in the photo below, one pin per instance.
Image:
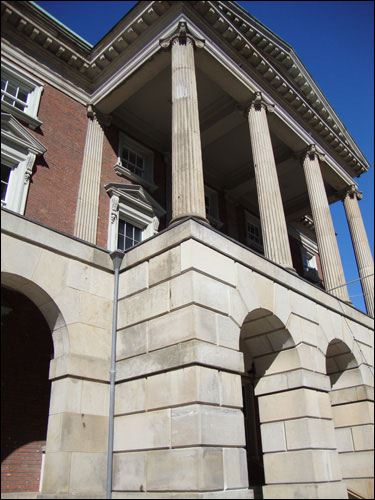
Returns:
(334, 40)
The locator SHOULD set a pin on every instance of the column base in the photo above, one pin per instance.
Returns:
(180, 218)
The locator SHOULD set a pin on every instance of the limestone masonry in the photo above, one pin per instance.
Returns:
(192, 141)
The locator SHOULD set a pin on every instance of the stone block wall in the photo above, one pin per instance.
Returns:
(197, 314)
(194, 313)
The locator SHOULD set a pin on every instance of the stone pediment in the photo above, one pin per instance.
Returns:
(136, 196)
(262, 54)
(12, 131)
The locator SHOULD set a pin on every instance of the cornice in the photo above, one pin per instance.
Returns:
(275, 61)
(70, 49)
(262, 52)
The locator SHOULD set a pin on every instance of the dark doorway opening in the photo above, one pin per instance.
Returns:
(26, 352)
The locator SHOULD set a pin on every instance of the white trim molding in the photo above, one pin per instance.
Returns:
(18, 152)
(133, 204)
(34, 90)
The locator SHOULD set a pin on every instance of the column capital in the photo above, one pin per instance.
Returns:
(183, 36)
(352, 191)
(257, 103)
(90, 111)
(310, 152)
(93, 114)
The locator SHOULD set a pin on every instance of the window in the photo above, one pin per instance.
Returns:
(133, 216)
(308, 259)
(128, 235)
(5, 173)
(135, 162)
(14, 93)
(253, 232)
(212, 207)
(310, 267)
(18, 152)
(20, 94)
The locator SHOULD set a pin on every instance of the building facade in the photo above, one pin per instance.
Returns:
(175, 317)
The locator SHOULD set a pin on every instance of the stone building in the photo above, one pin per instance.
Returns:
(194, 139)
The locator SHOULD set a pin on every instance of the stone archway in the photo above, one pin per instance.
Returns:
(352, 409)
(26, 352)
(296, 430)
(262, 340)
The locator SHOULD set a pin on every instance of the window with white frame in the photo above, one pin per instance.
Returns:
(253, 232)
(308, 259)
(133, 217)
(18, 152)
(310, 266)
(5, 174)
(20, 94)
(135, 162)
(128, 234)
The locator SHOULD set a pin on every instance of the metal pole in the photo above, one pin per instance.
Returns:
(116, 257)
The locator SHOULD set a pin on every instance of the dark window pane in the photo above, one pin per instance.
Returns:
(5, 173)
(3, 83)
(22, 94)
(19, 106)
(128, 243)
(137, 234)
(132, 157)
(7, 99)
(3, 190)
(129, 230)
(121, 227)
(12, 89)
(125, 154)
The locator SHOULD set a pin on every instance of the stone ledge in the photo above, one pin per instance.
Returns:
(232, 494)
(351, 395)
(177, 356)
(56, 241)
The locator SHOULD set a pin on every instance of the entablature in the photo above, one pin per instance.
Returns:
(257, 51)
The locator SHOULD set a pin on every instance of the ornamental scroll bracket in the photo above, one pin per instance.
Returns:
(114, 207)
(182, 34)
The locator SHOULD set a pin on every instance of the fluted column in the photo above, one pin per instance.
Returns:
(361, 246)
(88, 195)
(187, 168)
(271, 210)
(333, 273)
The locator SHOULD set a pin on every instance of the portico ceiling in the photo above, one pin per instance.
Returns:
(226, 147)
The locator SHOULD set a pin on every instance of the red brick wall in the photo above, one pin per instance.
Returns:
(110, 151)
(26, 351)
(55, 181)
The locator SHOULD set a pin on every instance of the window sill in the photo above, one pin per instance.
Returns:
(21, 115)
(125, 172)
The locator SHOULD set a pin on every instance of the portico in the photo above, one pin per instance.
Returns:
(189, 144)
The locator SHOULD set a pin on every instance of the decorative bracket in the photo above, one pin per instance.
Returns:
(114, 207)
